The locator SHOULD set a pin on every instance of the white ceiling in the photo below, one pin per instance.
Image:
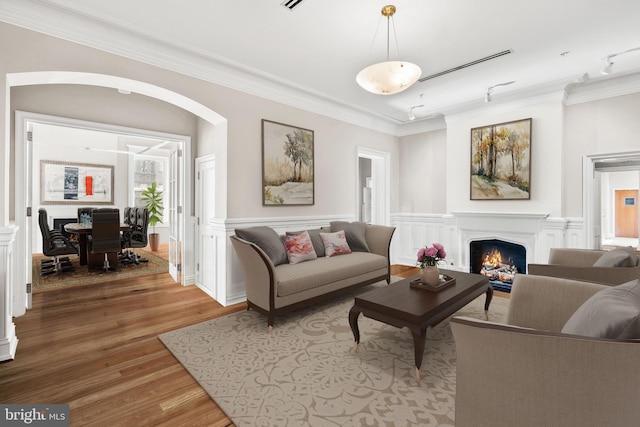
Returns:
(320, 45)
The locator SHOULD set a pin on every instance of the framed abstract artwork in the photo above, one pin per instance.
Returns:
(501, 161)
(66, 183)
(287, 165)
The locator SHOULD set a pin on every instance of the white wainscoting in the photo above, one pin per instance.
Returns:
(535, 231)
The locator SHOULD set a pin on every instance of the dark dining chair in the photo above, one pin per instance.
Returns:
(105, 234)
(136, 236)
(54, 244)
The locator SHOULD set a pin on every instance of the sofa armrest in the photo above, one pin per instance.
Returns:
(259, 274)
(605, 275)
(507, 376)
(546, 303)
(379, 239)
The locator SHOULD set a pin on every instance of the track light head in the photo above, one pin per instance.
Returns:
(410, 113)
(607, 69)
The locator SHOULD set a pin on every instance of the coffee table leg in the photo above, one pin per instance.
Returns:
(419, 338)
(487, 301)
(353, 322)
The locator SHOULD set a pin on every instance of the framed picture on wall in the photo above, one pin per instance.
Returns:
(66, 183)
(287, 165)
(501, 161)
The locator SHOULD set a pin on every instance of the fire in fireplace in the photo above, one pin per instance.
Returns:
(500, 261)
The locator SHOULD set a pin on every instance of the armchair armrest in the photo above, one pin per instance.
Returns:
(507, 376)
(546, 303)
(606, 275)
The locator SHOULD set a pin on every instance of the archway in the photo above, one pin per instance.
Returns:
(20, 301)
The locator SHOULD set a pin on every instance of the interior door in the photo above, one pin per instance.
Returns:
(205, 210)
(626, 215)
(174, 210)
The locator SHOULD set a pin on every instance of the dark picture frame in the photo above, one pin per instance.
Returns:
(501, 161)
(67, 183)
(287, 165)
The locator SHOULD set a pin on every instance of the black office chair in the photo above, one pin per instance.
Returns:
(105, 234)
(136, 236)
(54, 244)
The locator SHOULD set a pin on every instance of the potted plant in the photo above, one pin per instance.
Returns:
(152, 198)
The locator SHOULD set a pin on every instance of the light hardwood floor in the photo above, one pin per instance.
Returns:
(96, 348)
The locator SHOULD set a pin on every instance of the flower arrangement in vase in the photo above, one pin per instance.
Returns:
(428, 258)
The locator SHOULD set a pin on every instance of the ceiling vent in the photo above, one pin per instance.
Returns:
(468, 64)
(290, 4)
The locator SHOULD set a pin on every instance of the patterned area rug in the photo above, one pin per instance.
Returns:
(82, 276)
(305, 373)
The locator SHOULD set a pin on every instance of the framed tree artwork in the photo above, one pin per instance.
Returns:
(287, 165)
(501, 161)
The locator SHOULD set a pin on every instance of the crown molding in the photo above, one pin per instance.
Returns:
(108, 37)
(602, 88)
(63, 22)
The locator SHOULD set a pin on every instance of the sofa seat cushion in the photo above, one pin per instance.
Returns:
(322, 271)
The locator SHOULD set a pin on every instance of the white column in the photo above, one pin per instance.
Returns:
(8, 339)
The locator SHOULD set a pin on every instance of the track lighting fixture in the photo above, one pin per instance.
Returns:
(608, 69)
(487, 95)
(410, 113)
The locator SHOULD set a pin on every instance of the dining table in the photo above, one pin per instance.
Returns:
(82, 231)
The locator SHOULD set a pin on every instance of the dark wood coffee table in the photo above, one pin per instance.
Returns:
(400, 305)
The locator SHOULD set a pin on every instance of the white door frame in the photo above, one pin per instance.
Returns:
(381, 178)
(23, 202)
(591, 191)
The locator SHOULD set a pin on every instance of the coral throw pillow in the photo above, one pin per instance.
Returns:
(299, 248)
(335, 243)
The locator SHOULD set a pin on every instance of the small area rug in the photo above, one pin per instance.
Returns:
(82, 276)
(305, 372)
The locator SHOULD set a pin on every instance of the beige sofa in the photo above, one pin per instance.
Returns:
(578, 264)
(277, 289)
(527, 373)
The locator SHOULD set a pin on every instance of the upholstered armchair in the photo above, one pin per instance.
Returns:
(606, 267)
(526, 372)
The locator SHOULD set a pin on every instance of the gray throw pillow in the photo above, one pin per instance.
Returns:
(610, 313)
(355, 233)
(268, 240)
(620, 257)
(316, 240)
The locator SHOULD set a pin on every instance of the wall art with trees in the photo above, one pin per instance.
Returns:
(501, 161)
(287, 165)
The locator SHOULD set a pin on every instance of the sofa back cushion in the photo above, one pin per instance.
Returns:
(266, 239)
(356, 233)
(610, 313)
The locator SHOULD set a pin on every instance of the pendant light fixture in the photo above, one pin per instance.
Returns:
(389, 77)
